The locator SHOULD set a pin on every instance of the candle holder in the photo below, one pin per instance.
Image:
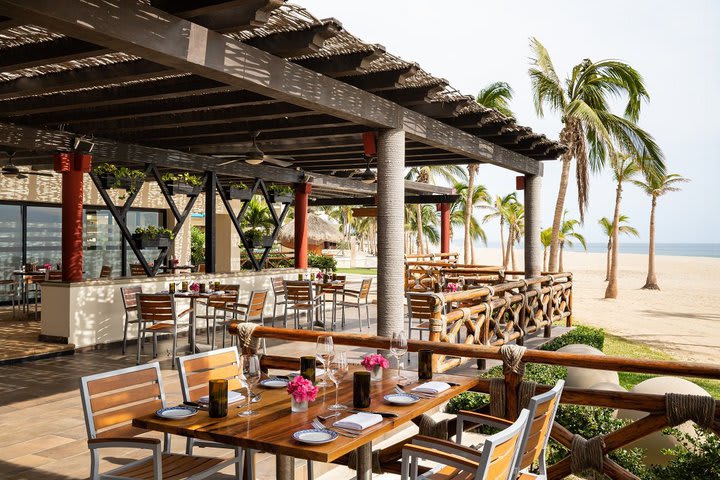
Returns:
(307, 368)
(361, 389)
(218, 392)
(425, 364)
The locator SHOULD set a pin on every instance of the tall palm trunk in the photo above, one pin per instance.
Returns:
(607, 262)
(510, 240)
(502, 239)
(545, 250)
(651, 281)
(419, 225)
(612, 289)
(512, 255)
(559, 208)
(472, 252)
(469, 211)
(562, 249)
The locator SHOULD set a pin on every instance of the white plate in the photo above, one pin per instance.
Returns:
(176, 412)
(401, 398)
(315, 436)
(274, 383)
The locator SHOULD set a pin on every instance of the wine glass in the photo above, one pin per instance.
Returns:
(250, 376)
(324, 351)
(337, 369)
(398, 348)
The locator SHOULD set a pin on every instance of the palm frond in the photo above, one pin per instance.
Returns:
(497, 95)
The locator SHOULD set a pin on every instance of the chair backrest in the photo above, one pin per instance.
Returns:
(137, 270)
(299, 290)
(220, 300)
(278, 286)
(156, 307)
(105, 271)
(139, 389)
(201, 268)
(197, 370)
(129, 297)
(420, 305)
(340, 278)
(500, 451)
(54, 275)
(542, 410)
(230, 287)
(365, 288)
(256, 303)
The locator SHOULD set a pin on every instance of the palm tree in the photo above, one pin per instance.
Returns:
(607, 227)
(545, 237)
(499, 209)
(515, 218)
(567, 233)
(428, 223)
(427, 174)
(590, 130)
(624, 168)
(459, 214)
(257, 216)
(496, 95)
(656, 186)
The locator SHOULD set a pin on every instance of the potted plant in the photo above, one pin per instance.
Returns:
(124, 178)
(301, 392)
(280, 194)
(257, 239)
(152, 237)
(238, 191)
(183, 183)
(375, 363)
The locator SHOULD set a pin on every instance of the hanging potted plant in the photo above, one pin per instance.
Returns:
(183, 183)
(280, 194)
(257, 239)
(123, 178)
(152, 237)
(238, 191)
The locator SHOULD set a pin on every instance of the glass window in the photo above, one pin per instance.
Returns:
(137, 219)
(44, 235)
(102, 243)
(10, 239)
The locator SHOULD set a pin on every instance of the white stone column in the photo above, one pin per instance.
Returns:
(533, 247)
(391, 224)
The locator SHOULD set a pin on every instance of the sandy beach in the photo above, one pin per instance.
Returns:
(682, 319)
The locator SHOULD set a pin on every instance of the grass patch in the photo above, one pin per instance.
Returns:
(622, 347)
(358, 271)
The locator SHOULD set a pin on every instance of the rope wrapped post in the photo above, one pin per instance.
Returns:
(513, 371)
(437, 324)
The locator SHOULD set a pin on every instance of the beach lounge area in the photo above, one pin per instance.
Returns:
(227, 250)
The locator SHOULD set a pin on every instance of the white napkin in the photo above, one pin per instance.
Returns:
(431, 387)
(233, 397)
(359, 421)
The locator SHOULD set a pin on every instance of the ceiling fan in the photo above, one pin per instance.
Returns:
(12, 170)
(255, 156)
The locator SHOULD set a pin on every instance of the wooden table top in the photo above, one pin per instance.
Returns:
(271, 429)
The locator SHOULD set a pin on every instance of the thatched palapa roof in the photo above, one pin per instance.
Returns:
(319, 232)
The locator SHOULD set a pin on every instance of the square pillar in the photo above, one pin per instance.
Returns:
(210, 224)
(391, 226)
(302, 192)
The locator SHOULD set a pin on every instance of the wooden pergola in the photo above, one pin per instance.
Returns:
(176, 84)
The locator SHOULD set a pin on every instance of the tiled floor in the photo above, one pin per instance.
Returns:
(42, 431)
(19, 336)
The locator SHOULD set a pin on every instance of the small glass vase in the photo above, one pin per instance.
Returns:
(297, 407)
(376, 374)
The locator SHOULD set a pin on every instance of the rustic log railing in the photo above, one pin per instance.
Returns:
(656, 406)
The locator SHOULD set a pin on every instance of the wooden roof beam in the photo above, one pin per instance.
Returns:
(82, 77)
(126, 26)
(7, 22)
(59, 50)
(298, 42)
(409, 97)
(383, 80)
(283, 144)
(342, 65)
(442, 109)
(222, 15)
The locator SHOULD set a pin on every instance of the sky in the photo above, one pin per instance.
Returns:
(674, 45)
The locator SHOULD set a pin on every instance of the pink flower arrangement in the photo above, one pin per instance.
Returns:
(302, 389)
(195, 287)
(374, 360)
(451, 287)
(47, 266)
(319, 275)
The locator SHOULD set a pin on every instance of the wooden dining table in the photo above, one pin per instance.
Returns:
(271, 429)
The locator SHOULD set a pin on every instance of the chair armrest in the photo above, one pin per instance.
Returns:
(451, 459)
(465, 416)
(125, 442)
(184, 312)
(447, 446)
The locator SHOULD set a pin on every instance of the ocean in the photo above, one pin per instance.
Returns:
(672, 249)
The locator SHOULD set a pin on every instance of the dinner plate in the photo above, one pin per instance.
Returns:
(315, 436)
(176, 412)
(274, 383)
(401, 398)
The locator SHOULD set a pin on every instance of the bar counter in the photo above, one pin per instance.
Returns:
(91, 312)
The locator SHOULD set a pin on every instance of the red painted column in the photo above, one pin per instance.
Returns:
(302, 191)
(72, 166)
(444, 209)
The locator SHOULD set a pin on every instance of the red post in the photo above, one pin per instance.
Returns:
(302, 191)
(444, 209)
(72, 166)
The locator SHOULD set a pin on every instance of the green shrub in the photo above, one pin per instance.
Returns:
(197, 245)
(472, 401)
(323, 262)
(152, 232)
(595, 337)
(697, 456)
(534, 372)
(185, 177)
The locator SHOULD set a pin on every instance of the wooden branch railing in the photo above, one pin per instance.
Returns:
(654, 405)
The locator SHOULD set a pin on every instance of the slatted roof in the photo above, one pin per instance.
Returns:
(54, 82)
